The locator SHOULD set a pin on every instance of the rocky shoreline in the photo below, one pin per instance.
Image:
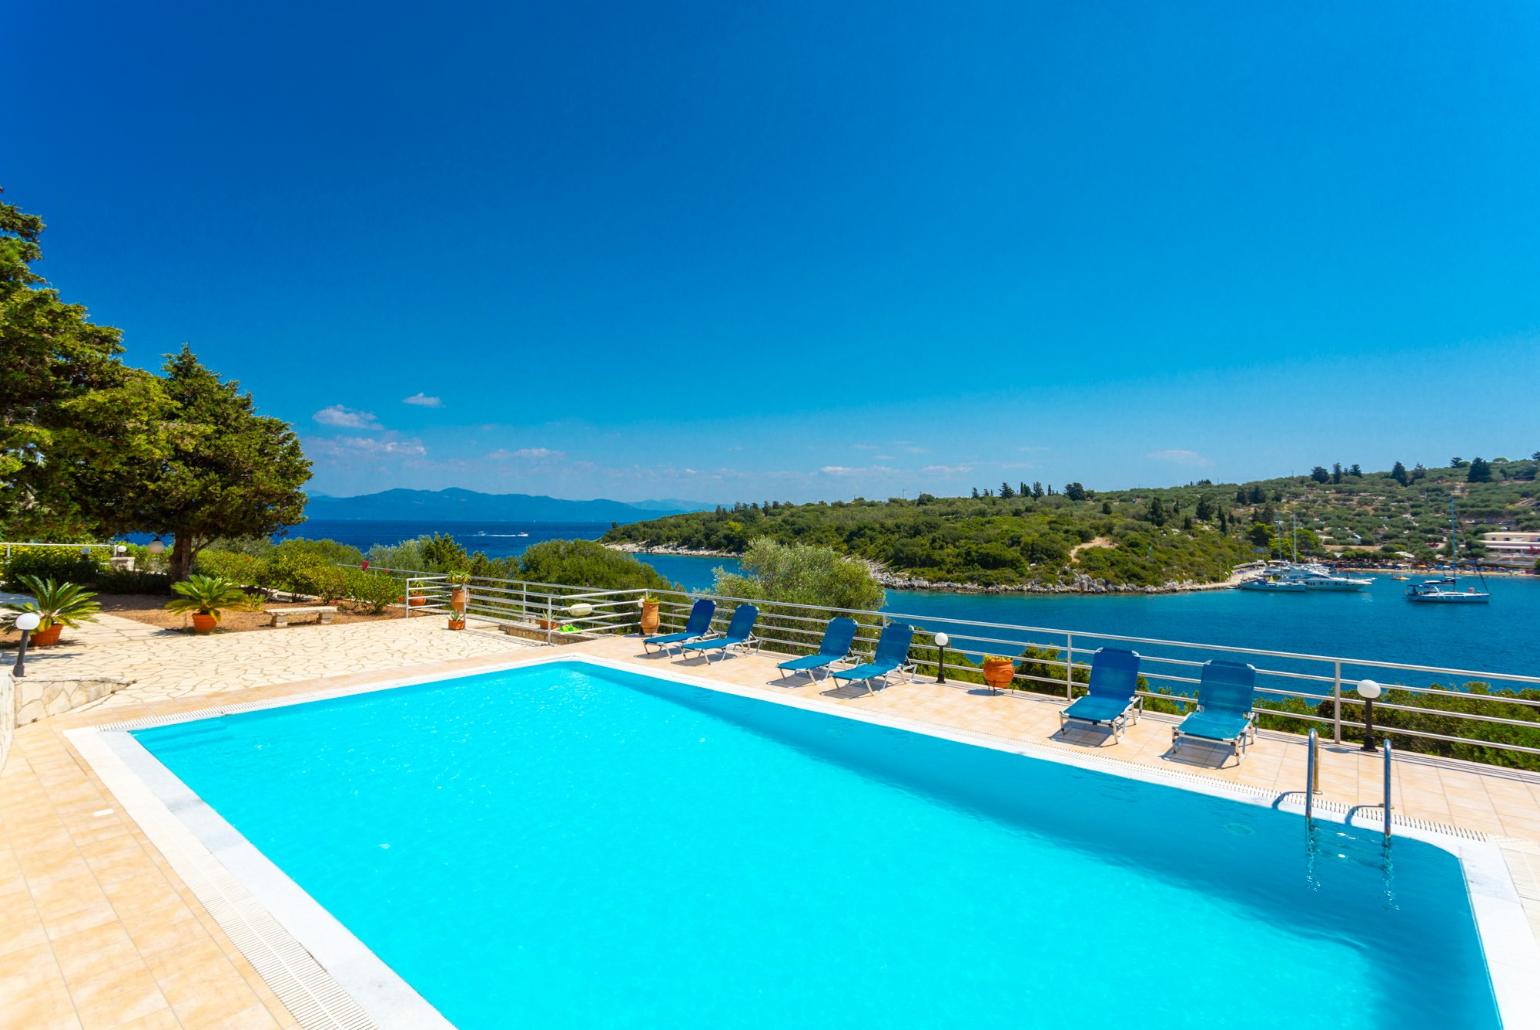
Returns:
(1081, 584)
(687, 552)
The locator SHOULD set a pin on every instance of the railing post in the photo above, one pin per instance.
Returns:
(1387, 790)
(1311, 774)
(406, 599)
(1336, 701)
(550, 616)
(1069, 666)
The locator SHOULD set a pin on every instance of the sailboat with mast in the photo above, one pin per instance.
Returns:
(1446, 590)
(1297, 577)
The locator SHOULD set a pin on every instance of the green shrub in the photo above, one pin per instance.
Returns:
(584, 563)
(373, 591)
(126, 581)
(310, 567)
(407, 556)
(245, 569)
(255, 546)
(328, 551)
(63, 564)
(327, 582)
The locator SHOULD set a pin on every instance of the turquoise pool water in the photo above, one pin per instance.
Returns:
(570, 845)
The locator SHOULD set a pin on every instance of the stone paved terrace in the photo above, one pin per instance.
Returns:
(96, 929)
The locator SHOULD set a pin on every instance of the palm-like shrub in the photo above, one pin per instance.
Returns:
(209, 595)
(56, 603)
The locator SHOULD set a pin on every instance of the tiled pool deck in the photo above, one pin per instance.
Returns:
(96, 929)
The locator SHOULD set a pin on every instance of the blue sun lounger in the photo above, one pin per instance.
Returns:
(740, 634)
(1224, 714)
(1113, 699)
(892, 656)
(838, 635)
(698, 627)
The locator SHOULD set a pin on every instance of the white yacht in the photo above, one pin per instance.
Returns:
(1297, 576)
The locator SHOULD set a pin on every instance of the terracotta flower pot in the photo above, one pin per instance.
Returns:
(203, 623)
(456, 623)
(548, 623)
(417, 600)
(46, 637)
(459, 597)
(998, 672)
(650, 617)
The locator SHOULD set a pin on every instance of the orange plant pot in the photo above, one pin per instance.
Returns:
(203, 623)
(651, 620)
(417, 600)
(998, 672)
(456, 623)
(458, 598)
(46, 637)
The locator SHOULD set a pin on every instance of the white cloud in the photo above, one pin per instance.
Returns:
(1179, 456)
(846, 470)
(353, 446)
(947, 470)
(422, 400)
(525, 454)
(346, 418)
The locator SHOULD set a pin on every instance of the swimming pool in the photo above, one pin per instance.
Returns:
(569, 843)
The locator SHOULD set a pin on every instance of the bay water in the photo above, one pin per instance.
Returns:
(1376, 624)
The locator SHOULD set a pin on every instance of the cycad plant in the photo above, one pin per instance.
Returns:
(57, 604)
(208, 595)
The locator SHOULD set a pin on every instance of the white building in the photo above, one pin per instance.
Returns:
(1505, 547)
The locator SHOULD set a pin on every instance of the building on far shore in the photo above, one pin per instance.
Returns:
(1511, 549)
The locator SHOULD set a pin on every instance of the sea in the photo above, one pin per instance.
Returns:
(1377, 624)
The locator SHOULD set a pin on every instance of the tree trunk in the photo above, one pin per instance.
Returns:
(181, 557)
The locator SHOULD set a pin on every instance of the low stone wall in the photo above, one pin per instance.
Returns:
(7, 714)
(39, 697)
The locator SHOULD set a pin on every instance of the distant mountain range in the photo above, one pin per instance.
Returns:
(457, 505)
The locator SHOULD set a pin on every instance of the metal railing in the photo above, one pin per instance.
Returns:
(1052, 660)
(555, 610)
(7, 545)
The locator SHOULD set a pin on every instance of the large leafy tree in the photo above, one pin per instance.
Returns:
(54, 357)
(225, 471)
(802, 574)
(89, 446)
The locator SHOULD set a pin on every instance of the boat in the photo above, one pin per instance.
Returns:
(1295, 577)
(1275, 583)
(1329, 580)
(1446, 589)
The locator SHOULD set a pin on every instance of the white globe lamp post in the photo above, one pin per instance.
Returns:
(26, 622)
(1368, 690)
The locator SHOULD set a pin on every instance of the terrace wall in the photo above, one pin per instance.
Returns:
(35, 698)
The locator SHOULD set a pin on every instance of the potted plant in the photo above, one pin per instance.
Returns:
(650, 617)
(207, 598)
(456, 620)
(57, 605)
(998, 671)
(459, 594)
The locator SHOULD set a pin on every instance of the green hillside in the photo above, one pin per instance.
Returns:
(1031, 537)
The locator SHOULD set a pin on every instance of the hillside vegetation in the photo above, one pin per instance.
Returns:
(1030, 537)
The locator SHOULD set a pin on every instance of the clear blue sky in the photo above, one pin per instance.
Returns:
(727, 251)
